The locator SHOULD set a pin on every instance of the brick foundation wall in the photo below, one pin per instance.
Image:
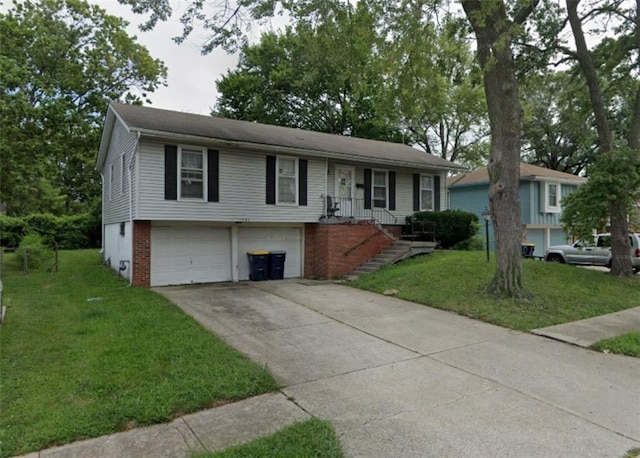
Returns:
(334, 250)
(395, 230)
(141, 253)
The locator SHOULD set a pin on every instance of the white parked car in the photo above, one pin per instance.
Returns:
(592, 253)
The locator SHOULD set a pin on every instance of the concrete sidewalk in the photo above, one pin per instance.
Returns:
(585, 333)
(209, 430)
(397, 379)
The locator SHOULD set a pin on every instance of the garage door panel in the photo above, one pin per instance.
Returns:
(181, 255)
(287, 239)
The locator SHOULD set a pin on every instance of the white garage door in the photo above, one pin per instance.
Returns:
(182, 255)
(287, 239)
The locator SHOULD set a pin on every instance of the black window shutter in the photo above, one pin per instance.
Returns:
(367, 189)
(271, 180)
(436, 193)
(416, 192)
(392, 190)
(302, 182)
(170, 172)
(213, 188)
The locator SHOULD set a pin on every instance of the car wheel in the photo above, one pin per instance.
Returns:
(636, 270)
(553, 257)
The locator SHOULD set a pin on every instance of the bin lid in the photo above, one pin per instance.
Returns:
(257, 252)
(278, 252)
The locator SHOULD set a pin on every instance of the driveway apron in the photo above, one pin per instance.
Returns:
(401, 379)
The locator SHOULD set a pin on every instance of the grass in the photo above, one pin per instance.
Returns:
(312, 438)
(627, 344)
(455, 280)
(83, 355)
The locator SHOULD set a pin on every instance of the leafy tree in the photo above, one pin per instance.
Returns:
(588, 208)
(558, 125)
(62, 61)
(290, 79)
(435, 83)
(621, 56)
(494, 30)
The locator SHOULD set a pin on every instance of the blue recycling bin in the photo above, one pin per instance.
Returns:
(276, 264)
(258, 265)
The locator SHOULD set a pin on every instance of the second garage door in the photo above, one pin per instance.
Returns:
(287, 239)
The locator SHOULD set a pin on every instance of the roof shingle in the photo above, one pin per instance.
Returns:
(145, 119)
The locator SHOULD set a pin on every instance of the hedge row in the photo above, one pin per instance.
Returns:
(451, 226)
(68, 232)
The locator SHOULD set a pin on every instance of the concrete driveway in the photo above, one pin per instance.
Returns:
(397, 379)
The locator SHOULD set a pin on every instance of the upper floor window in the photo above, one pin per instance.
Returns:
(380, 188)
(426, 193)
(123, 182)
(287, 176)
(192, 171)
(112, 179)
(551, 197)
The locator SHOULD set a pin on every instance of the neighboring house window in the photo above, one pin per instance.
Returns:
(426, 193)
(123, 181)
(551, 197)
(287, 176)
(192, 171)
(379, 188)
(112, 180)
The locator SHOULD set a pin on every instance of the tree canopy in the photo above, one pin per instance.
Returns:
(61, 62)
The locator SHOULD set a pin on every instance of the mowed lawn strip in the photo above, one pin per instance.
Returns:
(626, 344)
(83, 355)
(310, 439)
(456, 280)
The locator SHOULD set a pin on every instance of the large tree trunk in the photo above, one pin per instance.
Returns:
(493, 32)
(620, 259)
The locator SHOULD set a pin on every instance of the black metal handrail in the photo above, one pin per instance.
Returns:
(340, 207)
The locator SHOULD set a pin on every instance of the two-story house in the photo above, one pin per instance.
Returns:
(185, 196)
(541, 194)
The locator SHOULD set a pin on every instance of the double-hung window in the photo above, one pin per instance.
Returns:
(426, 193)
(123, 181)
(380, 188)
(287, 176)
(551, 197)
(192, 171)
(112, 179)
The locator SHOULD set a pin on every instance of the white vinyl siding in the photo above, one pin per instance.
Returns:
(242, 185)
(122, 144)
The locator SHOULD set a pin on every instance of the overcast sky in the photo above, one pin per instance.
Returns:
(191, 76)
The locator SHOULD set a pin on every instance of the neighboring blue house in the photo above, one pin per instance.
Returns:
(541, 194)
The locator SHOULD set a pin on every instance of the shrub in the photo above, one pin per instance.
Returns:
(34, 250)
(471, 244)
(451, 226)
(68, 232)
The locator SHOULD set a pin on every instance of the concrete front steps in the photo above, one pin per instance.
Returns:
(401, 249)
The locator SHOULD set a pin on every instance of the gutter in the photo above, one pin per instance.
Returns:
(102, 215)
(275, 149)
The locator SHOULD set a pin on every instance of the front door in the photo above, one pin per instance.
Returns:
(345, 189)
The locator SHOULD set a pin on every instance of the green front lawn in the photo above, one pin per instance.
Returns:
(311, 439)
(83, 354)
(455, 280)
(627, 344)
